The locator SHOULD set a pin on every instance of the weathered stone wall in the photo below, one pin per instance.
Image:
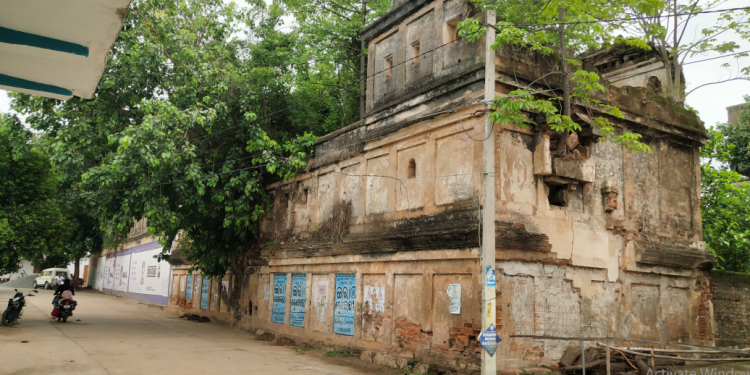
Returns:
(603, 237)
(731, 301)
(400, 64)
(409, 319)
(567, 301)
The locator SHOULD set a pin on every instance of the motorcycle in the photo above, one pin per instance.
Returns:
(66, 307)
(77, 283)
(15, 308)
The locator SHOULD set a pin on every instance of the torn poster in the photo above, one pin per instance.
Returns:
(374, 298)
(454, 294)
(321, 298)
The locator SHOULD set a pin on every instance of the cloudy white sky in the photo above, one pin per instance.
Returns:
(710, 101)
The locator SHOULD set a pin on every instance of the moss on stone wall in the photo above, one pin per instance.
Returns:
(735, 278)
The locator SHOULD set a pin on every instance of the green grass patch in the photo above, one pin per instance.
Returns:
(338, 353)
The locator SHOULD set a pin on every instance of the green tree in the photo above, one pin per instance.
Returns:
(199, 105)
(329, 39)
(32, 226)
(725, 206)
(556, 28)
(739, 135)
(652, 22)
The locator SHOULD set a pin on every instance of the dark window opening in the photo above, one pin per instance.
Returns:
(305, 192)
(558, 195)
(411, 172)
(451, 31)
(654, 83)
(415, 53)
(389, 66)
(250, 307)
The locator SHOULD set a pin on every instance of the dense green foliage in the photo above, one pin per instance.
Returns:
(559, 27)
(725, 200)
(739, 135)
(328, 37)
(31, 221)
(725, 206)
(203, 102)
(554, 37)
(199, 105)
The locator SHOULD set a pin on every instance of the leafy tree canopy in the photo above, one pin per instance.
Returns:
(328, 33)
(31, 221)
(739, 135)
(200, 104)
(554, 28)
(725, 206)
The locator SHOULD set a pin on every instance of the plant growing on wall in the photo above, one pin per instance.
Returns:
(651, 24)
(551, 28)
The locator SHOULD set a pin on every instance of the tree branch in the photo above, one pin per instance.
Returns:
(151, 26)
(743, 78)
(692, 8)
(343, 7)
(338, 86)
(336, 13)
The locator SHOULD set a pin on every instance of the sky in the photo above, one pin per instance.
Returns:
(710, 101)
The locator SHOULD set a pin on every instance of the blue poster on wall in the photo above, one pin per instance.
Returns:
(279, 299)
(343, 312)
(189, 288)
(297, 309)
(204, 294)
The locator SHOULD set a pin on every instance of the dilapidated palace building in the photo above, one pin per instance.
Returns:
(375, 246)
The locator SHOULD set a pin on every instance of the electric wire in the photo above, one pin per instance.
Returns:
(196, 178)
(498, 27)
(455, 110)
(500, 98)
(620, 76)
(450, 43)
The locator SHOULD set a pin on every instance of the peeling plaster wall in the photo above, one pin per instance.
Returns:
(431, 26)
(557, 300)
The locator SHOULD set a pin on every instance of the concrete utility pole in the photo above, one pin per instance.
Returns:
(487, 250)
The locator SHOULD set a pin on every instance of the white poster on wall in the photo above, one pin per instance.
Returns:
(321, 298)
(147, 275)
(109, 273)
(99, 278)
(122, 273)
(454, 294)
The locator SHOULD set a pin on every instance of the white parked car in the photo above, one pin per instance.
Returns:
(47, 278)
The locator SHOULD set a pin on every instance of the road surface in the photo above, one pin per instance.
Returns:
(122, 336)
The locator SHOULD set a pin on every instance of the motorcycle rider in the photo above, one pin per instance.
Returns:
(66, 286)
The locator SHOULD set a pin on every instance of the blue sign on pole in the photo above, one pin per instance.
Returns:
(490, 276)
(343, 312)
(489, 340)
(297, 309)
(204, 293)
(279, 298)
(189, 288)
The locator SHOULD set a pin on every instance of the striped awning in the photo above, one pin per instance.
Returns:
(57, 49)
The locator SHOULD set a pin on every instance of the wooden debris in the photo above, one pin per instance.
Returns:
(642, 361)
